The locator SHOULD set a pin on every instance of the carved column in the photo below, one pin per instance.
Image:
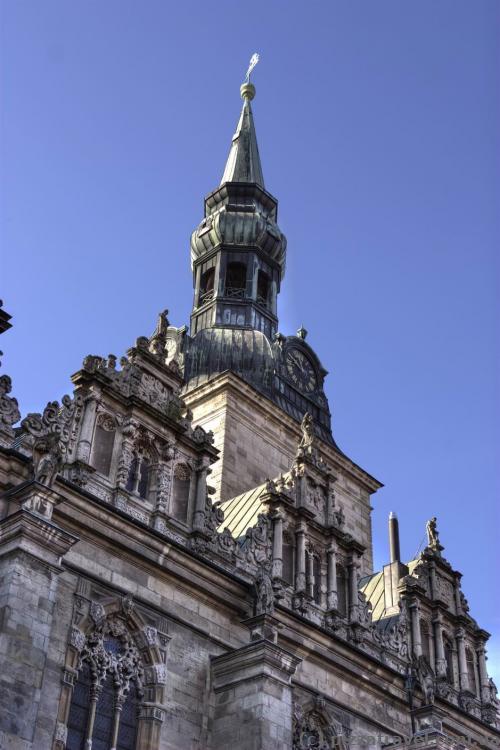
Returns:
(86, 430)
(300, 573)
(201, 495)
(95, 691)
(164, 483)
(332, 597)
(353, 588)
(416, 637)
(483, 673)
(119, 701)
(310, 573)
(462, 660)
(439, 646)
(278, 545)
(126, 454)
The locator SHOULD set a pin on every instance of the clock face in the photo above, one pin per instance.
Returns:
(300, 371)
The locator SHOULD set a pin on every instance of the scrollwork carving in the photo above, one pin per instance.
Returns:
(52, 435)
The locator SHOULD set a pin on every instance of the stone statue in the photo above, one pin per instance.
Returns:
(492, 690)
(47, 458)
(432, 533)
(9, 411)
(307, 427)
(425, 677)
(264, 602)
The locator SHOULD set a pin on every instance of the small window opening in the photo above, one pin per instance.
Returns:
(263, 288)
(236, 281)
(138, 477)
(180, 492)
(207, 286)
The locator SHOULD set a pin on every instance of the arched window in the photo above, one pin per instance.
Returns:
(341, 590)
(263, 288)
(236, 280)
(424, 636)
(207, 286)
(471, 670)
(180, 492)
(448, 655)
(139, 476)
(288, 561)
(104, 705)
(103, 443)
(317, 579)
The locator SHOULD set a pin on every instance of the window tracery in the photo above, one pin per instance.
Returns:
(315, 729)
(107, 691)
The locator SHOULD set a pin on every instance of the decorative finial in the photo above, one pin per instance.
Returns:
(247, 89)
(302, 333)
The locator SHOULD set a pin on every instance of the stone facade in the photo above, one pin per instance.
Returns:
(187, 562)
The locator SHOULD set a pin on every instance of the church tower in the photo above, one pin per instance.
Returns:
(245, 380)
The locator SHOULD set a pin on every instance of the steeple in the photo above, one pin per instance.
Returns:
(238, 251)
(243, 163)
(238, 258)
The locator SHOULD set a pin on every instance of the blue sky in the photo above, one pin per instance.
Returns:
(378, 126)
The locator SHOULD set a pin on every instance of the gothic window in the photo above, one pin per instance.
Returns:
(315, 729)
(103, 444)
(106, 696)
(139, 476)
(471, 670)
(263, 288)
(180, 492)
(342, 590)
(207, 286)
(288, 561)
(236, 280)
(78, 713)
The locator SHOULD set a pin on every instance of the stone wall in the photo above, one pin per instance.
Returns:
(258, 441)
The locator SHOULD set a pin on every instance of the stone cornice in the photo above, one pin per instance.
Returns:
(257, 659)
(37, 536)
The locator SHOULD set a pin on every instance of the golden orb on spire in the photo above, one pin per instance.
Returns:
(247, 91)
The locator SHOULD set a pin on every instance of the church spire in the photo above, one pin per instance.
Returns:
(243, 163)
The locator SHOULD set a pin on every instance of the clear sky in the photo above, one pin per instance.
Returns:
(378, 126)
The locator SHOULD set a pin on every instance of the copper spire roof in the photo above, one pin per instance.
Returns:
(243, 163)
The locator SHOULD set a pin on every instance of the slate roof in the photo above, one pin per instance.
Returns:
(242, 512)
